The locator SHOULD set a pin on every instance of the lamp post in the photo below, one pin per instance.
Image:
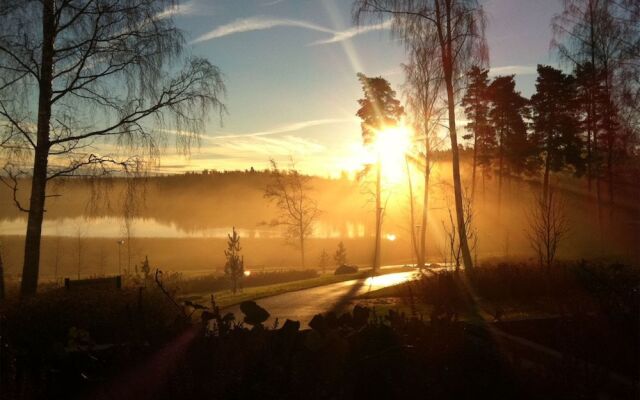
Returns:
(120, 243)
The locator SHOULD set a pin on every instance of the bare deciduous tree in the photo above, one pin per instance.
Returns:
(422, 88)
(548, 226)
(453, 244)
(290, 191)
(85, 87)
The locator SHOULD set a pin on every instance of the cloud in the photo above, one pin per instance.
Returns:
(188, 8)
(339, 36)
(257, 24)
(513, 70)
(272, 3)
(262, 23)
(286, 128)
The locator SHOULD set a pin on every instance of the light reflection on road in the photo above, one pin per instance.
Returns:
(302, 305)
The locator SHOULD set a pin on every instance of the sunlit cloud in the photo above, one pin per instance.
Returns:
(513, 70)
(340, 36)
(188, 8)
(286, 128)
(257, 24)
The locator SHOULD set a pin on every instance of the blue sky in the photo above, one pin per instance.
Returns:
(290, 70)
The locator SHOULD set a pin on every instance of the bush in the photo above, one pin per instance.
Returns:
(42, 322)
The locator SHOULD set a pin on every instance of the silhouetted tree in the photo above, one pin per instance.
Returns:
(507, 114)
(476, 109)
(555, 123)
(340, 256)
(379, 109)
(602, 38)
(234, 267)
(548, 225)
(290, 191)
(422, 88)
(457, 26)
(77, 74)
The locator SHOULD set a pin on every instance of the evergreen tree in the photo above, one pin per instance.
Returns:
(476, 109)
(234, 267)
(379, 109)
(507, 113)
(340, 257)
(556, 124)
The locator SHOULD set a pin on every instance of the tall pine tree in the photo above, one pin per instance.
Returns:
(476, 109)
(555, 124)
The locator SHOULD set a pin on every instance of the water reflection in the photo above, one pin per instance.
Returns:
(112, 227)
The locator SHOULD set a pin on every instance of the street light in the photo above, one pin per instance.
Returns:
(120, 243)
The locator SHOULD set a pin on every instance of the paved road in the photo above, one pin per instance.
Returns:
(302, 305)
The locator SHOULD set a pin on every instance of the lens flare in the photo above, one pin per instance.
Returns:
(391, 146)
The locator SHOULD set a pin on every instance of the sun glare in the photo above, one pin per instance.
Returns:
(391, 145)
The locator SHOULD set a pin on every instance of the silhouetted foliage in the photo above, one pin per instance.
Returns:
(379, 110)
(457, 27)
(63, 63)
(548, 226)
(556, 124)
(234, 267)
(476, 108)
(290, 191)
(340, 256)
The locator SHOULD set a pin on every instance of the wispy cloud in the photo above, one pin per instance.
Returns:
(339, 36)
(257, 24)
(272, 3)
(286, 128)
(188, 8)
(513, 70)
(262, 23)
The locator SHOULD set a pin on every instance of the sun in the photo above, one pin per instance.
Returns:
(391, 146)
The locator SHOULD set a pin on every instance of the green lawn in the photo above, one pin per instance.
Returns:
(226, 298)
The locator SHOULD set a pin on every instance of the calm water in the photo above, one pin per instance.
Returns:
(112, 227)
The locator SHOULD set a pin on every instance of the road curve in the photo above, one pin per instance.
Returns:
(302, 305)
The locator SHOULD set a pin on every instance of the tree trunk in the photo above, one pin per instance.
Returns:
(376, 258)
(475, 163)
(30, 269)
(457, 184)
(445, 39)
(500, 172)
(425, 210)
(414, 239)
(545, 180)
(1, 276)
(302, 249)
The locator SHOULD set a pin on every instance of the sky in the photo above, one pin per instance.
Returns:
(290, 70)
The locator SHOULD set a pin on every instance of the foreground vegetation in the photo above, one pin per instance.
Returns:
(140, 342)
